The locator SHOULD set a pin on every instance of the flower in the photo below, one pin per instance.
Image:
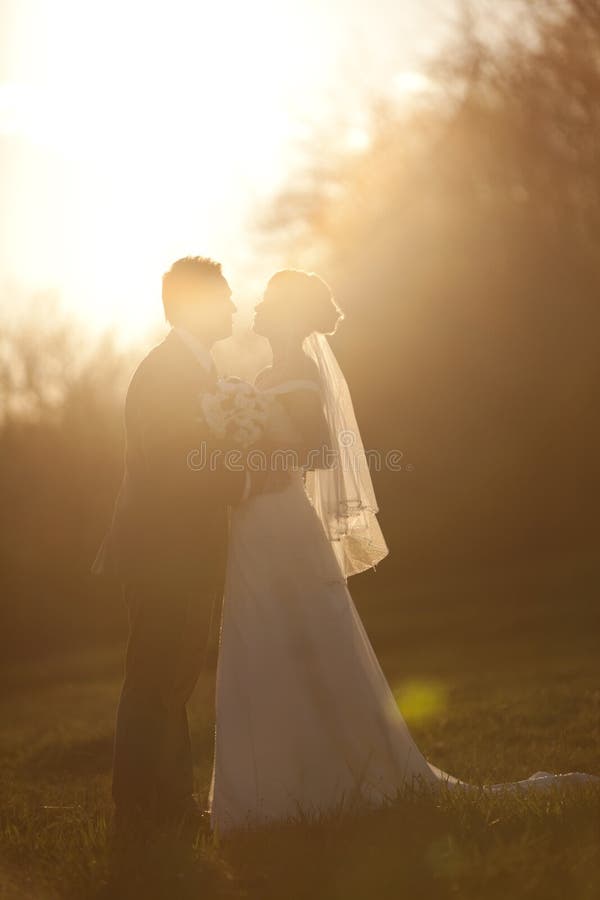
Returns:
(243, 401)
(235, 411)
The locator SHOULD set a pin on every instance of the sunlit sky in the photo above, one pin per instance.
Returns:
(134, 133)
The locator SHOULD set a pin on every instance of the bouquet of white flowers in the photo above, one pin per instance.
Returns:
(236, 411)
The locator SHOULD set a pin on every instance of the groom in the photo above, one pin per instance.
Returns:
(167, 546)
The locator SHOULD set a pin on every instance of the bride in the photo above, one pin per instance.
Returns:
(306, 722)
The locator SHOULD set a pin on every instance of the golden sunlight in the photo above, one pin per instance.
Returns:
(134, 134)
(292, 609)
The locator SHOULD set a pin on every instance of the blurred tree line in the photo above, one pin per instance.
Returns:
(463, 247)
(60, 460)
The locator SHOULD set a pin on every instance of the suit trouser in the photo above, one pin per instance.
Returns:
(169, 630)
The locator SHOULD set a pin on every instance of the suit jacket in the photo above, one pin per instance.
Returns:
(170, 518)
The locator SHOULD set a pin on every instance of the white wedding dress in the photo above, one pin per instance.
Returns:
(306, 722)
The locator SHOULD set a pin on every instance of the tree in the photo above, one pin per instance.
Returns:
(463, 246)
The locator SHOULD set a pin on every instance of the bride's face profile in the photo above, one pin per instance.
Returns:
(295, 303)
(271, 319)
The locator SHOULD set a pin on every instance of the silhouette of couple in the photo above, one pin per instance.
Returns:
(306, 722)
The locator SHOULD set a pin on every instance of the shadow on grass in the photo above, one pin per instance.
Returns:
(82, 758)
(451, 846)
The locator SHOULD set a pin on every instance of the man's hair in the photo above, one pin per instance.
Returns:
(184, 276)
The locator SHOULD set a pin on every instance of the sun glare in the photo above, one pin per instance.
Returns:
(136, 133)
(155, 128)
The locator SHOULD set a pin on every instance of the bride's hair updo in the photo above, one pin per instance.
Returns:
(306, 299)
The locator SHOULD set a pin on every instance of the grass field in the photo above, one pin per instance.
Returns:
(498, 677)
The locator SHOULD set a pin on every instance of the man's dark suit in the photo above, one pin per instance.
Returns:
(167, 545)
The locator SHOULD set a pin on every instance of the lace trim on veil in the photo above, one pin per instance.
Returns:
(343, 495)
